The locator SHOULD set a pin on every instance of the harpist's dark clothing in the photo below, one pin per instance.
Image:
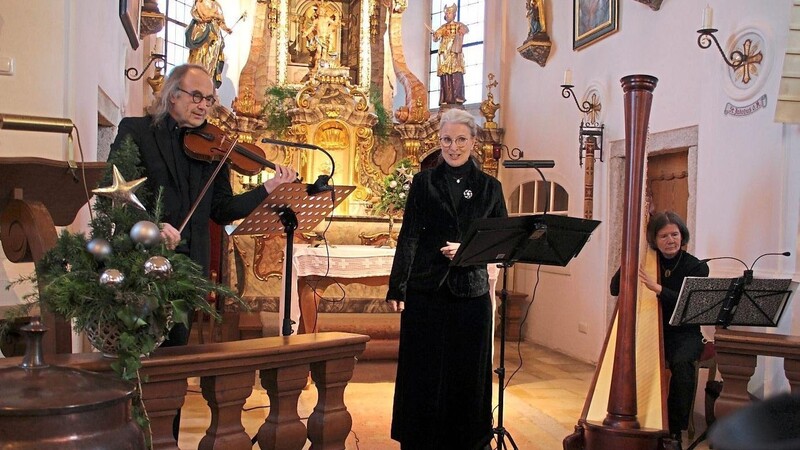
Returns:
(682, 344)
(443, 396)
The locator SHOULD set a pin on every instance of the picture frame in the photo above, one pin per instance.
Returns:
(593, 20)
(130, 14)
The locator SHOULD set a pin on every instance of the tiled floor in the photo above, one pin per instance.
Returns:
(543, 402)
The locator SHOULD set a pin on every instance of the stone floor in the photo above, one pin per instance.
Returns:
(543, 402)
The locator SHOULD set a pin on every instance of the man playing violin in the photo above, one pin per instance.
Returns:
(184, 103)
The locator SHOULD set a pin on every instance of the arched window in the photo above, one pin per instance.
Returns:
(534, 196)
(470, 13)
(178, 15)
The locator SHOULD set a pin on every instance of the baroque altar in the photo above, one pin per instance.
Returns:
(325, 73)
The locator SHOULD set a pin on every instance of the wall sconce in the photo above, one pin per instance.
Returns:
(566, 92)
(158, 57)
(707, 35)
(514, 154)
(590, 136)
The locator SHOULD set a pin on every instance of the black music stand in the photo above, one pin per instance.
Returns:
(287, 209)
(535, 239)
(730, 301)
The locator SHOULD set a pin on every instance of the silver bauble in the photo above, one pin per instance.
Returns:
(157, 267)
(112, 277)
(146, 233)
(99, 248)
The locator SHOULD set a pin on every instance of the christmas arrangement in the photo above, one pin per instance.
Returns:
(393, 196)
(392, 200)
(121, 284)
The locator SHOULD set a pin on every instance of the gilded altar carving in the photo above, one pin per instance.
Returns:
(334, 115)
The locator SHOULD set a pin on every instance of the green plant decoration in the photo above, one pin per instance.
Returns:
(383, 128)
(392, 200)
(121, 278)
(279, 100)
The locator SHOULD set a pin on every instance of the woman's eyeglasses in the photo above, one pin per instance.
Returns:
(448, 141)
(197, 97)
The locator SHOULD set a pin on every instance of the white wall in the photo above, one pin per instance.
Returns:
(64, 52)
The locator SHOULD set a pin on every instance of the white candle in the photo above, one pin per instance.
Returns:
(159, 47)
(708, 17)
(568, 77)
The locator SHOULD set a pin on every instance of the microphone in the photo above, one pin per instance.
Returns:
(769, 254)
(529, 164)
(321, 185)
(703, 261)
(748, 274)
(748, 271)
(533, 164)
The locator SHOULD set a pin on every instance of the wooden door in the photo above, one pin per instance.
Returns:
(668, 182)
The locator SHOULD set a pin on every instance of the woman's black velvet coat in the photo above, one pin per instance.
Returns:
(429, 222)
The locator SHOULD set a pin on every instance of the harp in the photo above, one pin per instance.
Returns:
(626, 404)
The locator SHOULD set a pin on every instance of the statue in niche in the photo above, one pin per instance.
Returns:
(450, 61)
(321, 35)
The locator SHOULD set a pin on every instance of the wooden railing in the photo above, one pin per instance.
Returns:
(227, 371)
(736, 360)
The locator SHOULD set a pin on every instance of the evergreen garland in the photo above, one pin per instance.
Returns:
(383, 128)
(277, 103)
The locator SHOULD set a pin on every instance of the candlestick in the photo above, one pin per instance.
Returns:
(158, 48)
(708, 17)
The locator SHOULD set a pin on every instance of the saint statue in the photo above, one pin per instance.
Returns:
(535, 17)
(450, 68)
(322, 38)
(204, 38)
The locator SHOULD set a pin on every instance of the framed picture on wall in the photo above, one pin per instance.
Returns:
(593, 20)
(129, 14)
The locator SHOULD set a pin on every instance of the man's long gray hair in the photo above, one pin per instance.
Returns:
(160, 106)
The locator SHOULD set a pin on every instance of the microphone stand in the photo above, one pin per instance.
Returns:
(289, 221)
(500, 430)
(321, 185)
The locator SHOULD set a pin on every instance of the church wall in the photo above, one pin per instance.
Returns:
(66, 54)
(746, 198)
(744, 186)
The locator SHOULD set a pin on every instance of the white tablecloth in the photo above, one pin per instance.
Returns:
(346, 261)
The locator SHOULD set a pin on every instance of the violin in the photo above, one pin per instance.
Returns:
(210, 143)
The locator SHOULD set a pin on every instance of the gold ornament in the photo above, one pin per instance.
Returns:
(121, 192)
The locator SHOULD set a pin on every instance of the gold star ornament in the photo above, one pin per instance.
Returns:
(121, 192)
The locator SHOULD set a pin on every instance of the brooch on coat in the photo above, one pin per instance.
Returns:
(467, 194)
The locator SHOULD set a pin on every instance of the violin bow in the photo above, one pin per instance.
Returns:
(208, 183)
